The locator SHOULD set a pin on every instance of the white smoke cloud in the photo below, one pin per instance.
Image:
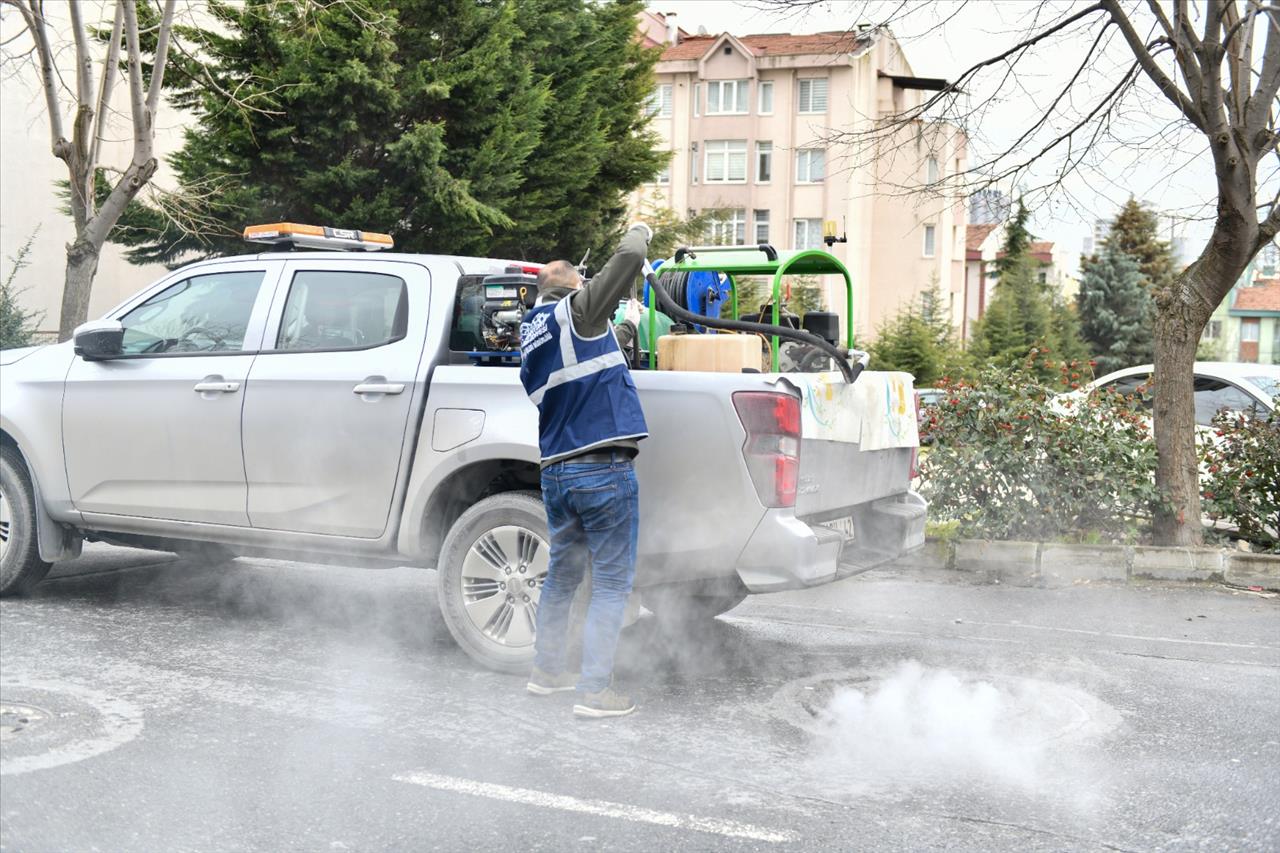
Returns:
(927, 728)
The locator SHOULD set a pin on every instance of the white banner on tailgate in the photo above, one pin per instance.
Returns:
(877, 412)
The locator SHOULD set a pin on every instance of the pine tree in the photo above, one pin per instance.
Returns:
(510, 128)
(919, 339)
(1067, 344)
(1018, 318)
(1017, 241)
(1135, 232)
(1115, 311)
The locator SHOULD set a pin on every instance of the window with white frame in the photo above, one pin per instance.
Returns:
(727, 97)
(1250, 330)
(693, 163)
(659, 103)
(764, 162)
(811, 165)
(726, 161)
(664, 175)
(931, 170)
(813, 95)
(1213, 331)
(808, 233)
(761, 219)
(930, 240)
(765, 90)
(730, 229)
(697, 99)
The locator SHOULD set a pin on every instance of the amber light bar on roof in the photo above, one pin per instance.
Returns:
(317, 237)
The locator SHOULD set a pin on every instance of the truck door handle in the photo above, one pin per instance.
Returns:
(218, 387)
(379, 388)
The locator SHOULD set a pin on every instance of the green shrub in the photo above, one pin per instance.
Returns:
(17, 325)
(1241, 475)
(1006, 464)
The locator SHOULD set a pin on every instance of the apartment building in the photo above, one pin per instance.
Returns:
(749, 119)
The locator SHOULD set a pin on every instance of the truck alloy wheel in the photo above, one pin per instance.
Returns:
(492, 567)
(20, 565)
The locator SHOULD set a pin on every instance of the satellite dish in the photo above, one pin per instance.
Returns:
(702, 30)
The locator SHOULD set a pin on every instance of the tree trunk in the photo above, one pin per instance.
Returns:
(82, 264)
(1177, 333)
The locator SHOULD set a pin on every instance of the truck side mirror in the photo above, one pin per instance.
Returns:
(98, 340)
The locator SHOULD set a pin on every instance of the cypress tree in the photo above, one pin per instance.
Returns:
(507, 128)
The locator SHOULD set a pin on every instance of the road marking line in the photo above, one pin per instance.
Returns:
(601, 808)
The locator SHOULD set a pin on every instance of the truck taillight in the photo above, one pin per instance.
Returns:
(772, 448)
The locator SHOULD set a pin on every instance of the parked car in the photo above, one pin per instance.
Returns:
(1233, 386)
(330, 405)
(926, 398)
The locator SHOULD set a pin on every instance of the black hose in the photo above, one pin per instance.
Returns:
(669, 305)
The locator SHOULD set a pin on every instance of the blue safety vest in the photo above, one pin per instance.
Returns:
(581, 386)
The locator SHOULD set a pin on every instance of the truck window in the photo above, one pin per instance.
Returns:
(464, 332)
(204, 313)
(341, 309)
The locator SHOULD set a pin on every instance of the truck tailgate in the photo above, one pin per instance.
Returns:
(857, 442)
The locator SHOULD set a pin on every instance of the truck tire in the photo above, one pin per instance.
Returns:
(20, 565)
(492, 566)
(690, 603)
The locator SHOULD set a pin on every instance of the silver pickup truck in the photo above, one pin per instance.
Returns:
(315, 405)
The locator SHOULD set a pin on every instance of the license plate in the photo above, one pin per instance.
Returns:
(844, 526)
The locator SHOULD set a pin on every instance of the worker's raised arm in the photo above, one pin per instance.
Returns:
(594, 305)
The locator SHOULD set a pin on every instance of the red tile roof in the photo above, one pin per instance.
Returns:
(1264, 295)
(773, 44)
(976, 235)
(1041, 247)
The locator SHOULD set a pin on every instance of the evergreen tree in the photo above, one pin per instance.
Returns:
(1115, 311)
(1017, 241)
(1067, 343)
(1018, 318)
(506, 128)
(1135, 232)
(920, 340)
(17, 324)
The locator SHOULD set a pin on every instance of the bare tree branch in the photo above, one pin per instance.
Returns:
(48, 76)
(1142, 53)
(161, 58)
(1260, 102)
(137, 101)
(108, 83)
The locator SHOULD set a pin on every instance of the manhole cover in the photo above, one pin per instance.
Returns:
(15, 719)
(45, 725)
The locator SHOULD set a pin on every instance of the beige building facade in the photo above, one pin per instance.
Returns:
(748, 122)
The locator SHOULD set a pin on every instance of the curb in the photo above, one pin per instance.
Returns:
(1054, 564)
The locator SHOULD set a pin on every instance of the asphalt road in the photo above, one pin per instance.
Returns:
(152, 704)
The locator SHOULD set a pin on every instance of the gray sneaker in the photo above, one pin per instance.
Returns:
(606, 703)
(544, 684)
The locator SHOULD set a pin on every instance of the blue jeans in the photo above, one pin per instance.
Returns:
(593, 512)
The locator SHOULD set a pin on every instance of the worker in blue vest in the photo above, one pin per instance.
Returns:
(589, 428)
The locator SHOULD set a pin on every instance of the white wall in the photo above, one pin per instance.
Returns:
(29, 174)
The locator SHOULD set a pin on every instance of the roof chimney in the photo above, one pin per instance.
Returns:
(673, 29)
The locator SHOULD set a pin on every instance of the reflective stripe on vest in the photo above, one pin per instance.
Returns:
(572, 368)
